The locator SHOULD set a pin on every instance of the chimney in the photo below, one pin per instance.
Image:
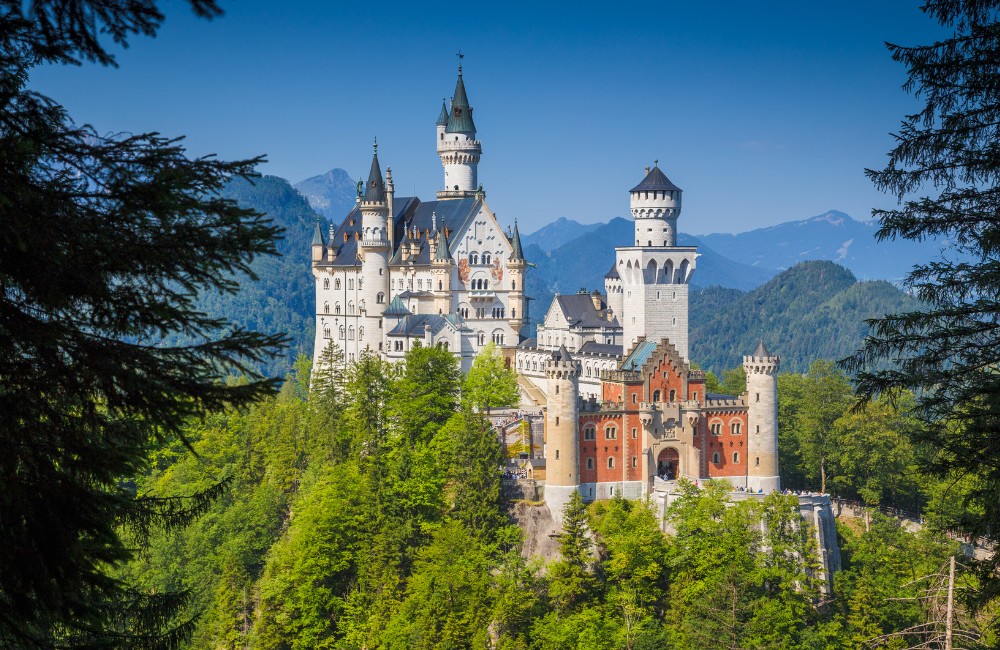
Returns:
(596, 298)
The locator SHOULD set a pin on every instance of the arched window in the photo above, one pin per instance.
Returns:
(350, 283)
(350, 307)
(486, 258)
(590, 463)
(656, 396)
(589, 433)
(361, 332)
(336, 308)
(673, 395)
(350, 333)
(326, 283)
(380, 298)
(473, 258)
(444, 344)
(326, 308)
(715, 458)
(326, 332)
(736, 457)
(336, 283)
(611, 462)
(611, 433)
(716, 428)
(486, 284)
(736, 428)
(342, 332)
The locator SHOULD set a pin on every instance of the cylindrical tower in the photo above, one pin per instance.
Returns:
(613, 287)
(442, 266)
(516, 267)
(762, 420)
(562, 445)
(374, 249)
(655, 205)
(458, 148)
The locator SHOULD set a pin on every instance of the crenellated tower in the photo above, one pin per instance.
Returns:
(762, 419)
(562, 445)
(655, 273)
(373, 249)
(457, 146)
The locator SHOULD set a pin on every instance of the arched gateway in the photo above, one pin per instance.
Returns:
(668, 464)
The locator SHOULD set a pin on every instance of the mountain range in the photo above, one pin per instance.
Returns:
(812, 310)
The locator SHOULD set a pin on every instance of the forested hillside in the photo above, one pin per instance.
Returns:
(281, 299)
(372, 513)
(815, 310)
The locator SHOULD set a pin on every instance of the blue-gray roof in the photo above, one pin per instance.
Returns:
(317, 235)
(451, 215)
(396, 308)
(460, 119)
(375, 188)
(515, 242)
(761, 350)
(655, 180)
(580, 311)
(443, 116)
(413, 324)
(604, 349)
(639, 355)
(613, 273)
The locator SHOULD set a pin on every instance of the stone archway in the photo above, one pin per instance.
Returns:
(668, 464)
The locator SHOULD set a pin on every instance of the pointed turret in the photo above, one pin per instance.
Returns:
(442, 254)
(515, 242)
(443, 116)
(460, 119)
(317, 235)
(375, 187)
(761, 351)
(562, 354)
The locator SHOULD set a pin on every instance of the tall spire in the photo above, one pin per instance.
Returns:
(375, 188)
(443, 116)
(518, 252)
(442, 254)
(460, 118)
(317, 235)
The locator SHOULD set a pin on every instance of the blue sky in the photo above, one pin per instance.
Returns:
(761, 112)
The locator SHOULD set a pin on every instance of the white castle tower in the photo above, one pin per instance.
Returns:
(762, 420)
(655, 273)
(457, 146)
(373, 250)
(562, 445)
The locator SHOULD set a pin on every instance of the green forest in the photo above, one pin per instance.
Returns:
(371, 512)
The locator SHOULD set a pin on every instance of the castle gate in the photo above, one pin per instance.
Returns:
(668, 464)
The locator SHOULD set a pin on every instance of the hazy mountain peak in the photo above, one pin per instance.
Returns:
(331, 194)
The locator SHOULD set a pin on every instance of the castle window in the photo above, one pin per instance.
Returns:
(350, 283)
(758, 397)
(635, 461)
(326, 332)
(635, 398)
(380, 298)
(444, 344)
(336, 283)
(736, 457)
(361, 332)
(326, 283)
(715, 458)
(342, 332)
(758, 428)
(736, 428)
(757, 463)
(336, 308)
(611, 433)
(589, 433)
(694, 396)
(350, 308)
(326, 308)
(635, 433)
(486, 258)
(513, 285)
(350, 333)
(380, 323)
(473, 258)
(656, 396)
(380, 271)
(611, 462)
(557, 389)
(420, 284)
(557, 454)
(440, 285)
(673, 395)
(716, 428)
(590, 463)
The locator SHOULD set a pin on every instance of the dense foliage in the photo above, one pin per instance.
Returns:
(945, 172)
(106, 242)
(371, 512)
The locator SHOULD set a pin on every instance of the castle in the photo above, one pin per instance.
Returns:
(625, 413)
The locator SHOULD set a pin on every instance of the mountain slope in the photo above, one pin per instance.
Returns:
(583, 261)
(815, 310)
(833, 236)
(281, 299)
(331, 194)
(557, 233)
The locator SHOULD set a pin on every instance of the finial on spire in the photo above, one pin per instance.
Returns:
(460, 57)
(656, 163)
(375, 145)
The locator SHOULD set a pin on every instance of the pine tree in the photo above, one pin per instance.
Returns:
(945, 172)
(572, 580)
(106, 243)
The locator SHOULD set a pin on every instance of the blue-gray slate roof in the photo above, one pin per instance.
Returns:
(443, 116)
(375, 188)
(580, 311)
(317, 235)
(515, 241)
(655, 180)
(460, 119)
(413, 324)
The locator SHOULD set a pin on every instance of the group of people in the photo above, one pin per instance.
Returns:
(514, 474)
